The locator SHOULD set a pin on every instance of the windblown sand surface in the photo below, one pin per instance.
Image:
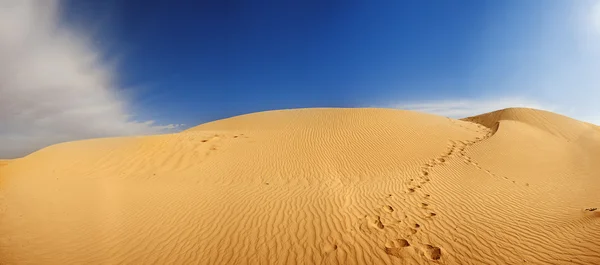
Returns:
(314, 186)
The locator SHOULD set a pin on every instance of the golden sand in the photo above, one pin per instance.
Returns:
(314, 186)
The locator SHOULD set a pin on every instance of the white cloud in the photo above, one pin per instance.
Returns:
(461, 108)
(549, 58)
(596, 17)
(170, 126)
(54, 86)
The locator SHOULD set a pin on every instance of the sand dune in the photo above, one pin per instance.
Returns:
(314, 186)
(4, 162)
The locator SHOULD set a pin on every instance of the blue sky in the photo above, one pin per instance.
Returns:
(202, 61)
(154, 65)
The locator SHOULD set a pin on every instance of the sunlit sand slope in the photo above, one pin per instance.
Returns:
(314, 186)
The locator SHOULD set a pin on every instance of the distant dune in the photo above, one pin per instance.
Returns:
(314, 186)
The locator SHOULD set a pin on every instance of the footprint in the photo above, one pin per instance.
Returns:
(417, 226)
(431, 252)
(388, 208)
(411, 190)
(424, 205)
(432, 214)
(424, 173)
(377, 223)
(593, 212)
(397, 243)
(395, 247)
(330, 248)
(441, 160)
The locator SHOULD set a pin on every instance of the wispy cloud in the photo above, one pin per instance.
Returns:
(595, 17)
(461, 108)
(54, 84)
(537, 54)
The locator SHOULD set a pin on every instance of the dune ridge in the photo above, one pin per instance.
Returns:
(314, 186)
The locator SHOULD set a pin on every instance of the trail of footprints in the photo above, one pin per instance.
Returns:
(396, 246)
(457, 148)
(397, 227)
(215, 140)
(195, 147)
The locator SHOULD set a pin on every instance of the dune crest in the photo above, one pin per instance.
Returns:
(314, 186)
(555, 124)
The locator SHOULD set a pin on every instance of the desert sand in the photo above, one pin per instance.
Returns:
(314, 186)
